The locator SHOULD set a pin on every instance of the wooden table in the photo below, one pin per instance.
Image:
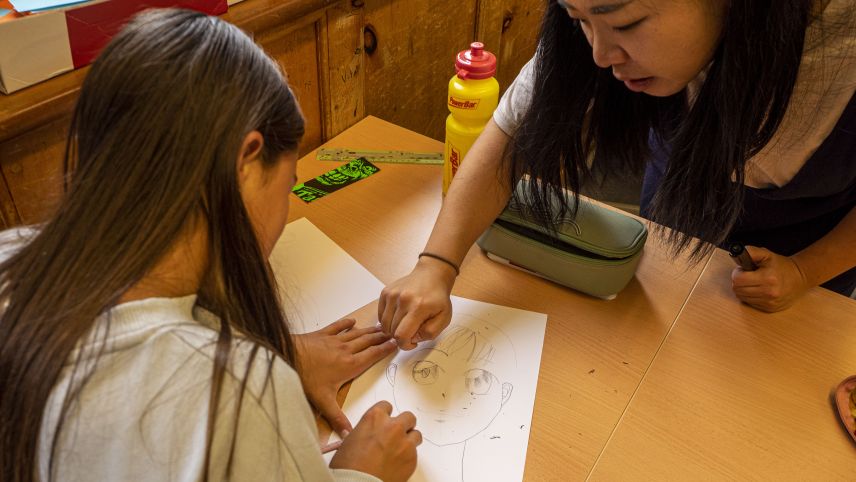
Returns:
(598, 355)
(739, 394)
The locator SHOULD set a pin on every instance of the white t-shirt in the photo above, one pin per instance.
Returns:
(515, 101)
(143, 414)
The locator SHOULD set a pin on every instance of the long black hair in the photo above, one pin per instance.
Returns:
(581, 117)
(151, 151)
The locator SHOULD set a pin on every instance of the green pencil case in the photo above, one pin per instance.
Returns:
(596, 252)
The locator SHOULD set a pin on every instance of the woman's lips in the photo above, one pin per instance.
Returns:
(638, 85)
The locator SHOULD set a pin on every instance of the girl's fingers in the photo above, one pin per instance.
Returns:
(338, 326)
(371, 355)
(330, 410)
(355, 333)
(383, 406)
(369, 339)
(406, 420)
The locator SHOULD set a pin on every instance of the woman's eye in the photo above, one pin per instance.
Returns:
(630, 26)
(478, 381)
(425, 372)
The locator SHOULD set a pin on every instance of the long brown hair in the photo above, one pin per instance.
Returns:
(738, 109)
(153, 145)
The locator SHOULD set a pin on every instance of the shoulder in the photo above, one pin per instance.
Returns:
(249, 364)
(819, 120)
(526, 77)
(515, 101)
(263, 429)
(829, 50)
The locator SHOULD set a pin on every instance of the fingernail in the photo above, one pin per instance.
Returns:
(345, 433)
(379, 326)
(393, 341)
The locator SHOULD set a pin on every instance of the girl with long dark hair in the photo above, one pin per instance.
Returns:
(141, 334)
(741, 113)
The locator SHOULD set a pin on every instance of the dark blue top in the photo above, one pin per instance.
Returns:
(787, 219)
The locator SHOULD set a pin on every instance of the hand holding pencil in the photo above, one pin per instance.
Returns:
(765, 280)
(381, 445)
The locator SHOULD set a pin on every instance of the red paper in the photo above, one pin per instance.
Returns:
(90, 28)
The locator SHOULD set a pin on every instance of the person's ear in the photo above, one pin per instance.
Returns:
(390, 373)
(506, 391)
(249, 155)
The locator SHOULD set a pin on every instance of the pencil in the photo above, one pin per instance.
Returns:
(741, 257)
(331, 446)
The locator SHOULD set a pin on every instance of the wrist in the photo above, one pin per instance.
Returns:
(804, 275)
(444, 268)
(443, 259)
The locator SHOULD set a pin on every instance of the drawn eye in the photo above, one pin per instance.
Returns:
(426, 372)
(478, 381)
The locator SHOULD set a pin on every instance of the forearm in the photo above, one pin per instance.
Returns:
(478, 194)
(830, 255)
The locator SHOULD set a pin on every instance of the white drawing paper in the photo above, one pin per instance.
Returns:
(319, 282)
(472, 391)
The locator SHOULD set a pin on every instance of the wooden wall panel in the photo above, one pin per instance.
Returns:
(297, 51)
(407, 76)
(509, 28)
(343, 68)
(32, 168)
(32, 162)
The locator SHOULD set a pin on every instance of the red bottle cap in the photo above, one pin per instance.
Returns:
(475, 63)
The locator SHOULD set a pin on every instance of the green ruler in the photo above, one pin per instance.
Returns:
(396, 157)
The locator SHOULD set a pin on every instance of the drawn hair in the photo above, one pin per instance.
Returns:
(461, 339)
(480, 342)
(579, 111)
(152, 149)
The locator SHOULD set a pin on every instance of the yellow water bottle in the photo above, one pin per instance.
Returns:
(473, 95)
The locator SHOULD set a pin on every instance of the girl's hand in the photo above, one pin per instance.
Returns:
(381, 445)
(775, 285)
(417, 307)
(332, 356)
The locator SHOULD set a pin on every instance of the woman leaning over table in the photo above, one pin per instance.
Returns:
(141, 335)
(741, 114)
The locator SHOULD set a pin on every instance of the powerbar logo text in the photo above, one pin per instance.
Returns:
(463, 103)
(454, 159)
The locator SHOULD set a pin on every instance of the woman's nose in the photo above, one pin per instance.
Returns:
(607, 53)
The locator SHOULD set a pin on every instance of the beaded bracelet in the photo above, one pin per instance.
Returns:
(440, 258)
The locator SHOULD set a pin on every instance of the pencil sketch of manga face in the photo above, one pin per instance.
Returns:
(455, 384)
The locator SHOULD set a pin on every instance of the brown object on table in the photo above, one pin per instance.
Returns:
(845, 402)
(853, 403)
